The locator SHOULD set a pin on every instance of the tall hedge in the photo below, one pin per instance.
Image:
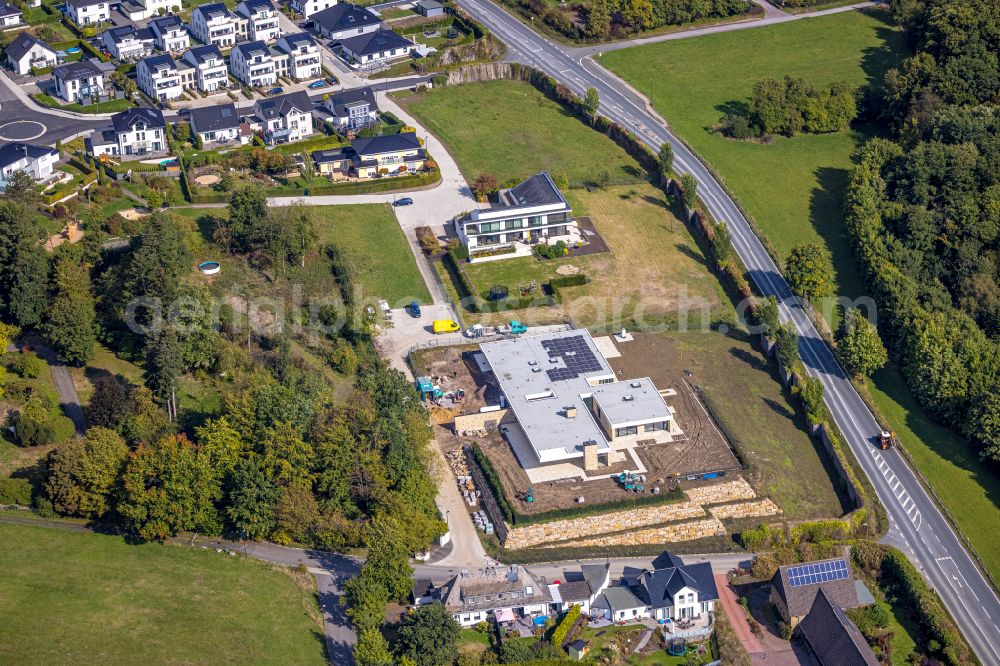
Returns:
(564, 626)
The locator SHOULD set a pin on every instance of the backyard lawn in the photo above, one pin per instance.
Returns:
(87, 599)
(654, 268)
(513, 131)
(793, 188)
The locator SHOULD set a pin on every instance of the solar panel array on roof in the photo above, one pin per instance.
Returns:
(575, 354)
(818, 572)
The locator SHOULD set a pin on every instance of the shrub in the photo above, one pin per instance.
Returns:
(757, 538)
(62, 429)
(15, 491)
(31, 424)
(28, 365)
(559, 635)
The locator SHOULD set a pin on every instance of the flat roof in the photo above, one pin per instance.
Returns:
(632, 402)
(543, 375)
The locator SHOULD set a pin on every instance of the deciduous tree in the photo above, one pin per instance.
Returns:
(108, 404)
(591, 102)
(665, 159)
(807, 272)
(69, 322)
(599, 19)
(252, 499)
(859, 344)
(83, 474)
(689, 190)
(428, 636)
(787, 345)
(484, 185)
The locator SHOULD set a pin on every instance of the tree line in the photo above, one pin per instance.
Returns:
(792, 106)
(923, 210)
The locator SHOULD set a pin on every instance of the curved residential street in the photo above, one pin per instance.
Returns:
(917, 523)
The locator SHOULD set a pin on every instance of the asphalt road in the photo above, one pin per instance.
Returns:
(23, 122)
(917, 523)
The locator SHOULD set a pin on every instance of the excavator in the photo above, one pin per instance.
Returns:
(887, 439)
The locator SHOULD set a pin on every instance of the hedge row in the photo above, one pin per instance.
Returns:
(515, 518)
(15, 491)
(565, 624)
(365, 187)
(892, 566)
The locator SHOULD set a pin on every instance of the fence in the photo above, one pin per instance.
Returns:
(486, 496)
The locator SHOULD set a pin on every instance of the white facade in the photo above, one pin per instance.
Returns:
(10, 16)
(135, 132)
(254, 65)
(304, 60)
(159, 78)
(214, 24)
(151, 8)
(209, 68)
(31, 53)
(36, 161)
(85, 12)
(127, 45)
(283, 119)
(74, 88)
(170, 36)
(260, 21)
(309, 7)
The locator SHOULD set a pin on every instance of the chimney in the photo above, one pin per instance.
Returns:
(571, 412)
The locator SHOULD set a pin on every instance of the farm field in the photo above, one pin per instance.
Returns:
(792, 187)
(654, 273)
(93, 599)
(517, 132)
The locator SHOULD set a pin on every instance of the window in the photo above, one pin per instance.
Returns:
(624, 432)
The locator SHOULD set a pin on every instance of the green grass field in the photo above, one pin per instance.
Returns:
(368, 235)
(91, 599)
(513, 131)
(793, 188)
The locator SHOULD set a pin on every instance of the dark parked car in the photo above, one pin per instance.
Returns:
(405, 201)
(275, 91)
(332, 81)
(415, 310)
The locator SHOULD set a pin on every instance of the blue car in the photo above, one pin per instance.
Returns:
(275, 91)
(405, 201)
(415, 310)
(332, 81)
(316, 84)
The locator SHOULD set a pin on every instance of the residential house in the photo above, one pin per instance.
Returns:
(309, 8)
(85, 12)
(303, 59)
(214, 24)
(680, 592)
(622, 604)
(259, 20)
(128, 43)
(36, 161)
(794, 587)
(76, 81)
(204, 69)
(139, 10)
(376, 49)
(530, 212)
(10, 16)
(503, 594)
(429, 8)
(170, 34)
(344, 21)
(387, 155)
(253, 64)
(159, 77)
(352, 109)
(425, 592)
(579, 589)
(135, 132)
(216, 125)
(831, 637)
(283, 119)
(27, 51)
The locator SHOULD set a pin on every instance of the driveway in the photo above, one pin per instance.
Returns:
(69, 400)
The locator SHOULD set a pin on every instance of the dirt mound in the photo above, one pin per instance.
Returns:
(207, 179)
(568, 269)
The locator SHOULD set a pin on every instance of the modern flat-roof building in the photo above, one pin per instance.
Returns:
(531, 212)
(568, 402)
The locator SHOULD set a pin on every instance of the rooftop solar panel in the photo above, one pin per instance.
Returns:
(816, 573)
(576, 356)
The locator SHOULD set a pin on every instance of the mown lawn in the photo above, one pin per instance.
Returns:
(654, 272)
(513, 131)
(93, 599)
(792, 187)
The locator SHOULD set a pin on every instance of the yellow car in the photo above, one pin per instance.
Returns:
(445, 326)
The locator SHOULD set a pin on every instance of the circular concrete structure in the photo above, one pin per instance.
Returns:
(209, 267)
(22, 130)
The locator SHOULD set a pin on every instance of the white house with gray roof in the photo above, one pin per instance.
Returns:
(170, 34)
(209, 67)
(77, 81)
(283, 119)
(309, 8)
(303, 60)
(128, 43)
(253, 64)
(215, 24)
(568, 404)
(10, 16)
(216, 125)
(259, 20)
(533, 211)
(85, 12)
(500, 594)
(27, 51)
(344, 21)
(159, 77)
